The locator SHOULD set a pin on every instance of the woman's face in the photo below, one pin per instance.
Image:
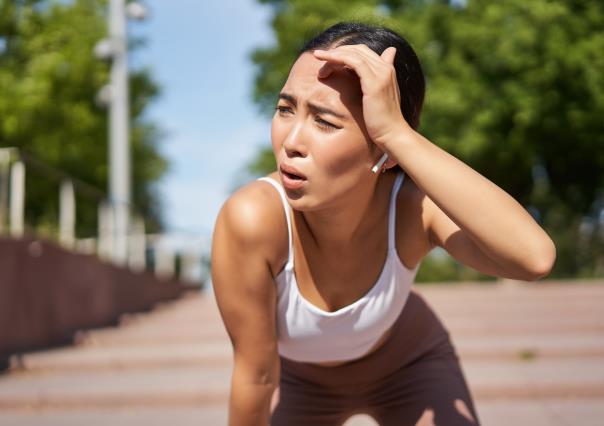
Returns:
(318, 129)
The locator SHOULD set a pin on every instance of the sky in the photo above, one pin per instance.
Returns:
(198, 52)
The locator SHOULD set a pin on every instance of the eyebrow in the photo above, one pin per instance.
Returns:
(311, 106)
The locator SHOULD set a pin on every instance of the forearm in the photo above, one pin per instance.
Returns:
(249, 403)
(478, 206)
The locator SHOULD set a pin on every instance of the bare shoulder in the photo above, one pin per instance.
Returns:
(412, 220)
(243, 244)
(253, 218)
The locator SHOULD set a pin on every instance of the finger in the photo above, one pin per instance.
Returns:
(329, 68)
(376, 63)
(347, 58)
(372, 58)
(388, 54)
(325, 71)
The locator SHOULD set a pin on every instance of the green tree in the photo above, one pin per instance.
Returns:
(515, 89)
(49, 79)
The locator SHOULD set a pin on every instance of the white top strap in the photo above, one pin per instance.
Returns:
(286, 207)
(392, 211)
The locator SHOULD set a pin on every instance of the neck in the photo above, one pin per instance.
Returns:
(350, 220)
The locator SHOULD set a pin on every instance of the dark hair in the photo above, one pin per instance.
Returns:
(409, 73)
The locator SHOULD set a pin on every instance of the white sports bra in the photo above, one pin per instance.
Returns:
(307, 333)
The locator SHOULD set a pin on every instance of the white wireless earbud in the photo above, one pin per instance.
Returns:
(380, 163)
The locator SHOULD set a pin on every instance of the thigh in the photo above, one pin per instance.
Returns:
(429, 392)
(301, 405)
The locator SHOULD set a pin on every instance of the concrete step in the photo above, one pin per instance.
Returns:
(547, 412)
(218, 351)
(532, 354)
(209, 383)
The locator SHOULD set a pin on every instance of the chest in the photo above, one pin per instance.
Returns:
(338, 279)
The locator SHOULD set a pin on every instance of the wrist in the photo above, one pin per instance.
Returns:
(401, 135)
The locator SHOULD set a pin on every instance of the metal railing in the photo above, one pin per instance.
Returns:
(143, 251)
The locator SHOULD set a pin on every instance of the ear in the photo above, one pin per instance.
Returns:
(390, 163)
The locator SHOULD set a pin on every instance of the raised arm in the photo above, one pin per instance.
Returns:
(476, 221)
(246, 297)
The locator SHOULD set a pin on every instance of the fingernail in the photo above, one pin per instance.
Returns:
(318, 51)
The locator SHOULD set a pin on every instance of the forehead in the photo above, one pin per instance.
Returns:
(339, 88)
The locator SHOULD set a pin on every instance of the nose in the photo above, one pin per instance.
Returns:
(294, 143)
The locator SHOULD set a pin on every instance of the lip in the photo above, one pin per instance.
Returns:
(293, 171)
(288, 182)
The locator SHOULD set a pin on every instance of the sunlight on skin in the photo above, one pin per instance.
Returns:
(275, 398)
(427, 418)
(361, 420)
(463, 409)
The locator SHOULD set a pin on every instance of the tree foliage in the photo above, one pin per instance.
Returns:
(515, 89)
(49, 79)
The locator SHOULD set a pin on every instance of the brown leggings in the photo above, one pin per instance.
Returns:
(414, 378)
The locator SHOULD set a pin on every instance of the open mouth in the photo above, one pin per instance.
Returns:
(291, 175)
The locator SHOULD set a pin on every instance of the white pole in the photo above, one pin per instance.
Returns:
(137, 246)
(86, 246)
(119, 149)
(190, 267)
(164, 262)
(106, 232)
(17, 199)
(4, 167)
(67, 212)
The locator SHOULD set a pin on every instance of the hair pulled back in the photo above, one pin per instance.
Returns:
(409, 73)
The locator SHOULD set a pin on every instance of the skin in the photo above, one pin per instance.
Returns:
(334, 153)
(469, 224)
(340, 214)
(337, 212)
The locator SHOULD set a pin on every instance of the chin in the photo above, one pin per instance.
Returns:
(300, 201)
(305, 202)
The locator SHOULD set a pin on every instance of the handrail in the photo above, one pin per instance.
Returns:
(13, 162)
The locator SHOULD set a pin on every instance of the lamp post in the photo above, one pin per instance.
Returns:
(115, 47)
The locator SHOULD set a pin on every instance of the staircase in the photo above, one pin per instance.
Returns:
(533, 354)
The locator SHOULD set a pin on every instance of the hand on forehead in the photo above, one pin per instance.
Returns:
(310, 75)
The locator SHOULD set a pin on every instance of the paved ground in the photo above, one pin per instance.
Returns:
(533, 354)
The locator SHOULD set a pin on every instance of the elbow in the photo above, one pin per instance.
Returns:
(265, 374)
(544, 262)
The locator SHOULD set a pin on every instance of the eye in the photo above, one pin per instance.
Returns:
(282, 110)
(326, 125)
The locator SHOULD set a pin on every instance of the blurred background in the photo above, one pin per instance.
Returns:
(125, 125)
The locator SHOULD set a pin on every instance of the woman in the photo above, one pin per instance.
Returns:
(312, 265)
